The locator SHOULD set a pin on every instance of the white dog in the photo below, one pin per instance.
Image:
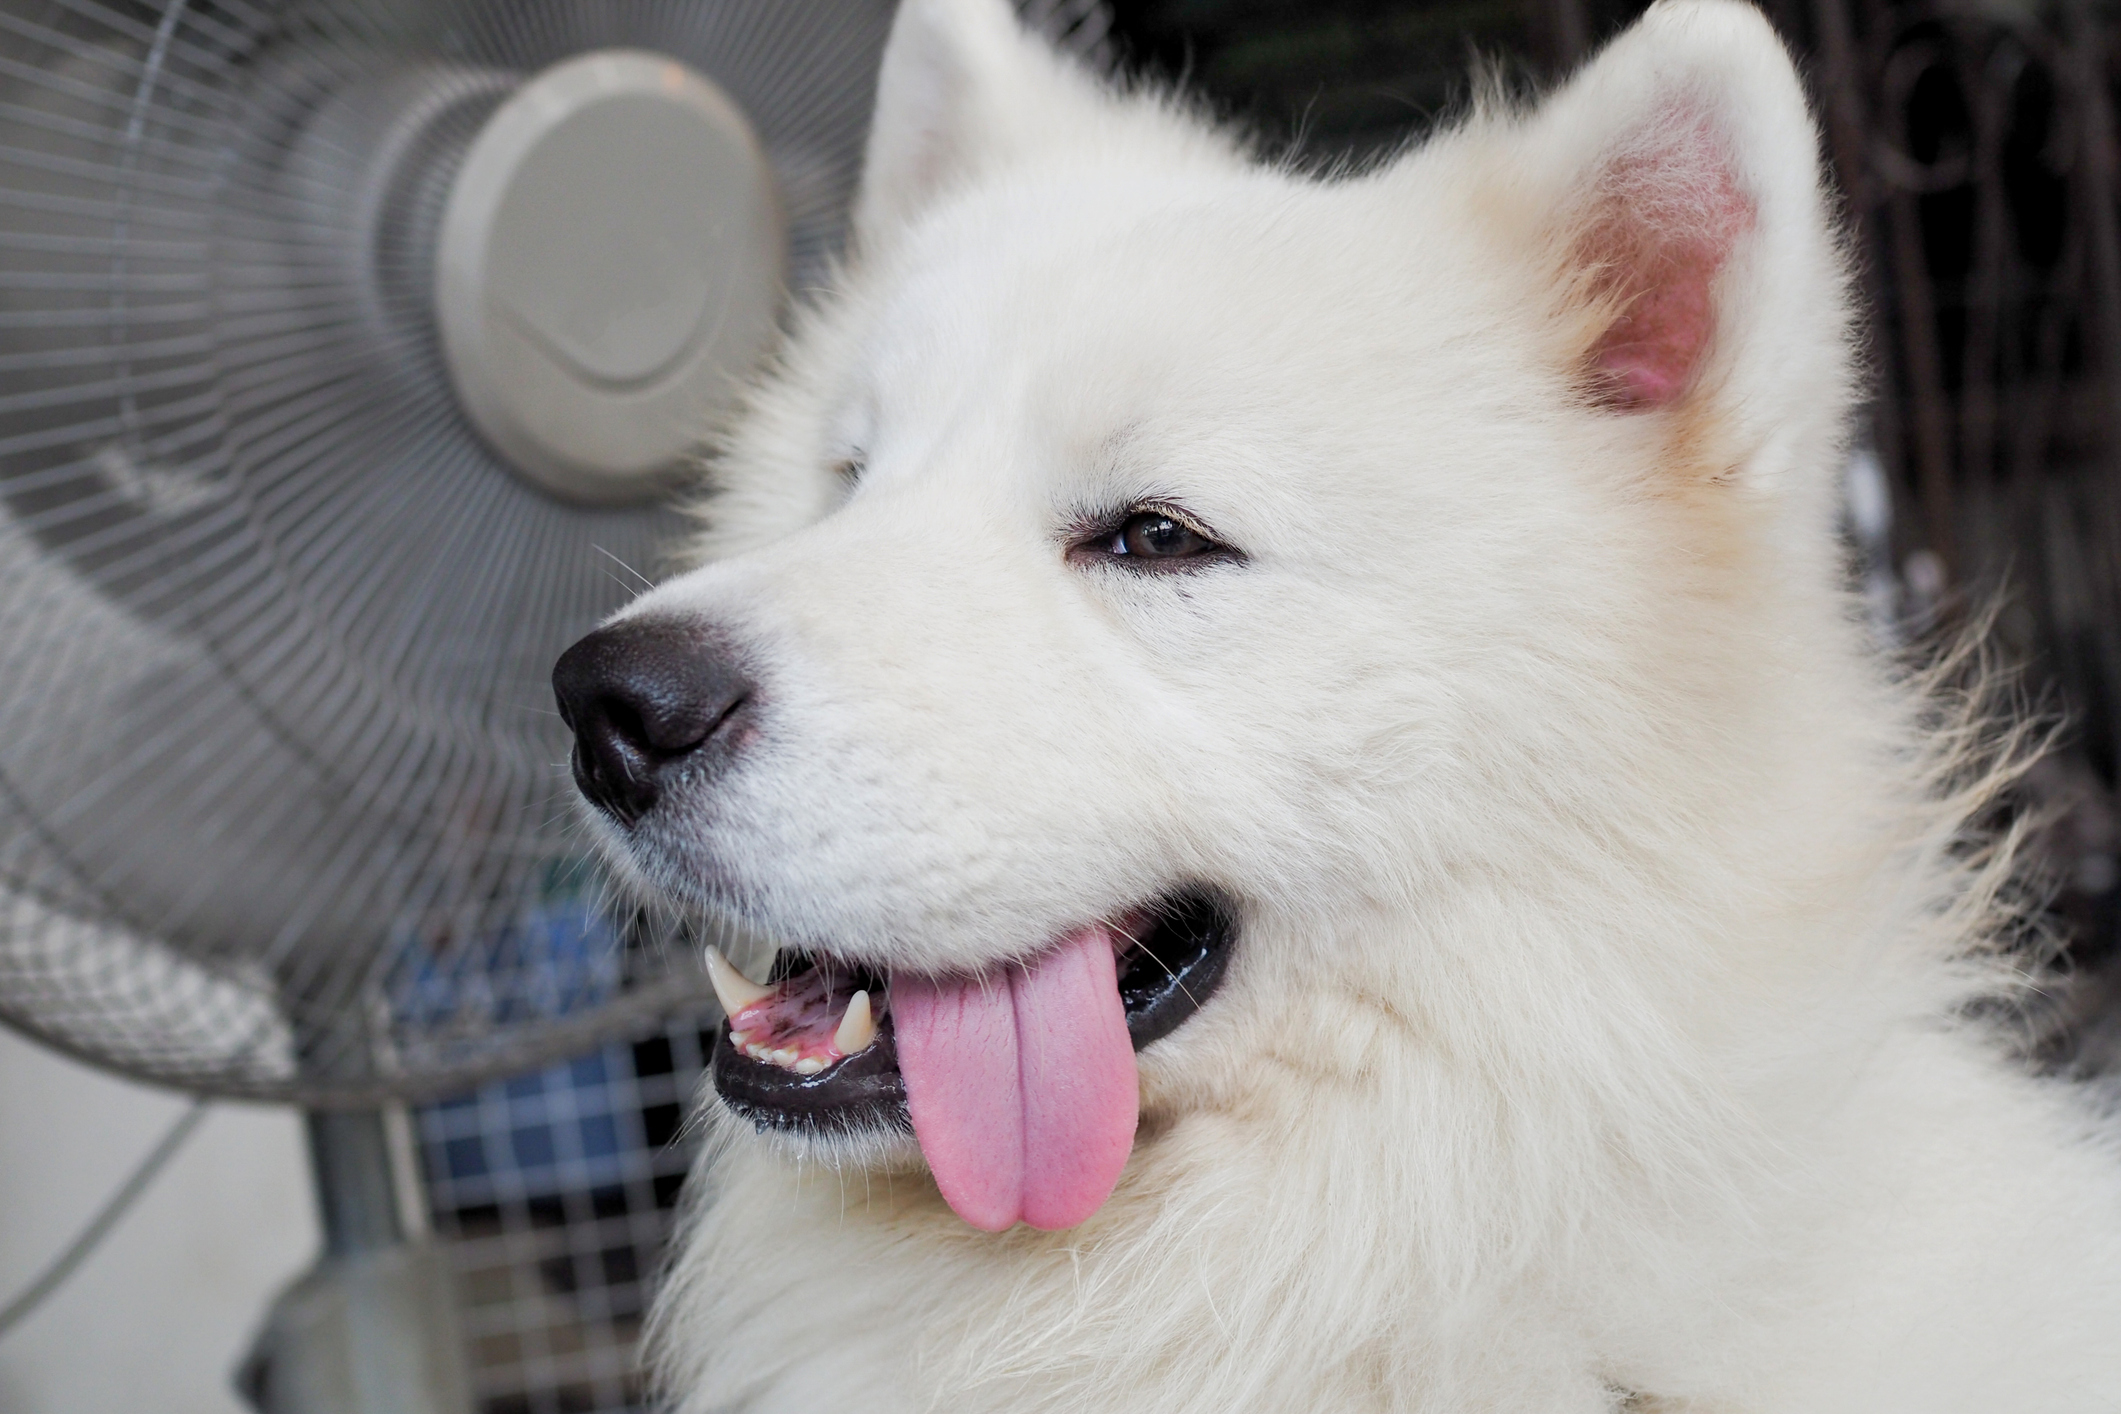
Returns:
(1341, 844)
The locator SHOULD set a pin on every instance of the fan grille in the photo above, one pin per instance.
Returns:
(283, 804)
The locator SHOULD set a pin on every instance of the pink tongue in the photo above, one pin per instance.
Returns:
(1022, 1085)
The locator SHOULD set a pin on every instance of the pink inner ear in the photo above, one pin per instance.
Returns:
(1670, 212)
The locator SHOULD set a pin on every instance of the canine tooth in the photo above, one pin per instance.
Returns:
(732, 988)
(857, 1028)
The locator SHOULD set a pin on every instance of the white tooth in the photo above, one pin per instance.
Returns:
(732, 988)
(857, 1027)
(809, 1065)
(785, 1057)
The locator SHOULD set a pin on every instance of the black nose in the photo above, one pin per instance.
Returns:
(645, 696)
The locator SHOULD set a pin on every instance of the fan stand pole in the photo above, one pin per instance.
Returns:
(372, 1327)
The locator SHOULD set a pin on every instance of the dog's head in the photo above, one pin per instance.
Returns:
(1167, 600)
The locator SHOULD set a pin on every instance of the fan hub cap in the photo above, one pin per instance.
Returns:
(609, 268)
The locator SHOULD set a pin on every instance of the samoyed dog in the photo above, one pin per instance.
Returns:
(1337, 839)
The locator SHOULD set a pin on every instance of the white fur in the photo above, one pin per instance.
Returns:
(1596, 1038)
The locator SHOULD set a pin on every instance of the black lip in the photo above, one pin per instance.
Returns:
(1177, 965)
(860, 1094)
(1164, 979)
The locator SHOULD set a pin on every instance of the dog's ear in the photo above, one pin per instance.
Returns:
(963, 88)
(1680, 229)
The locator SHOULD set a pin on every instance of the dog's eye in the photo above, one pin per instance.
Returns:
(1154, 535)
(1150, 538)
(850, 468)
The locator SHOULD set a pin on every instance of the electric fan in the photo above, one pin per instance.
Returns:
(348, 352)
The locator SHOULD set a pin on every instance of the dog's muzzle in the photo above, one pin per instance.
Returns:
(1017, 1078)
(647, 699)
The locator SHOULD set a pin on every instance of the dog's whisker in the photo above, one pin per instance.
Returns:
(642, 580)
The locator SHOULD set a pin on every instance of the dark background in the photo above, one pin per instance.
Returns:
(1340, 76)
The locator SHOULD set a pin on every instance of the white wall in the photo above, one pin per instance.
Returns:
(159, 1316)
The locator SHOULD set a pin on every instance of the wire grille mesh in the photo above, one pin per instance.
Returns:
(555, 1193)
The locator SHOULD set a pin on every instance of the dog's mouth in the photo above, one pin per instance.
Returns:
(1021, 1083)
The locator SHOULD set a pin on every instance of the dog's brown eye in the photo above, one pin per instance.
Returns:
(1150, 539)
(1152, 535)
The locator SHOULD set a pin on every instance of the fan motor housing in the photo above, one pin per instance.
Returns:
(610, 266)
